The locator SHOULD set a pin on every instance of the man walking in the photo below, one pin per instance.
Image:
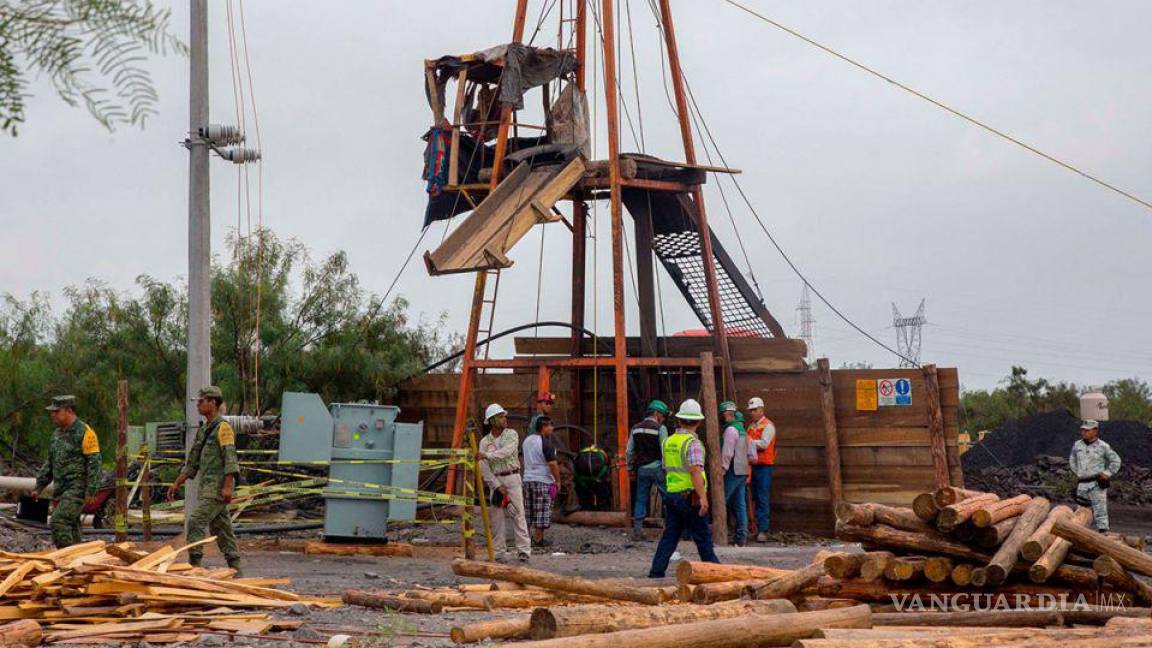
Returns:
(1093, 462)
(686, 499)
(541, 480)
(734, 458)
(500, 467)
(762, 452)
(213, 458)
(74, 465)
(642, 457)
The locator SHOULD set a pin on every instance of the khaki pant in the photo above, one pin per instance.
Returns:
(513, 513)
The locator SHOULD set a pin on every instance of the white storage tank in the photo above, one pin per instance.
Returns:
(1093, 405)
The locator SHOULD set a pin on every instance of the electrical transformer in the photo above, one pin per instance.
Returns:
(362, 441)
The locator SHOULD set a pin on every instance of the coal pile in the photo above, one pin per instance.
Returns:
(1030, 455)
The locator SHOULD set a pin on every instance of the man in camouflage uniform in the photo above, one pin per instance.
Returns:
(74, 465)
(213, 457)
(1093, 462)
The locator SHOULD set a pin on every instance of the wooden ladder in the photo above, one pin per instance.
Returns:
(492, 280)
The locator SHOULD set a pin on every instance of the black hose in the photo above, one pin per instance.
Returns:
(492, 338)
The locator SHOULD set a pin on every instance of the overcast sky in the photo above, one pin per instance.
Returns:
(878, 196)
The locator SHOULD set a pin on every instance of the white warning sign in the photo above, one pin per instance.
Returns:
(894, 392)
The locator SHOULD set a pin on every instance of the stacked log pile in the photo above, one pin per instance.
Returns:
(1060, 581)
(102, 593)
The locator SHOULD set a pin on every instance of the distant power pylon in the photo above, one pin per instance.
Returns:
(908, 335)
(807, 322)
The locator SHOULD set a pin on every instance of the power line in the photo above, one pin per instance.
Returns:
(943, 106)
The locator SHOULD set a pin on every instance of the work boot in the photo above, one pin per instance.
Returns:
(761, 537)
(235, 564)
(524, 557)
(638, 534)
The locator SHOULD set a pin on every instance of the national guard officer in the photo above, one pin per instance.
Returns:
(213, 457)
(74, 465)
(1093, 462)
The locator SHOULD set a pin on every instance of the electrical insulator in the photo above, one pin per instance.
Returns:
(239, 155)
(222, 134)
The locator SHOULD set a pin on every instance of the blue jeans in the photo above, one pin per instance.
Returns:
(646, 478)
(678, 516)
(762, 492)
(737, 503)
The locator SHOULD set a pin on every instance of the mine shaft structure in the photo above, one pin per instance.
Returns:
(478, 163)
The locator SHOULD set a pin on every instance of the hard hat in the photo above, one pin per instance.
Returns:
(659, 406)
(728, 406)
(755, 402)
(690, 411)
(546, 397)
(1089, 425)
(495, 409)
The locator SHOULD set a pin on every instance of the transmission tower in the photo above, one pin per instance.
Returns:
(908, 335)
(807, 322)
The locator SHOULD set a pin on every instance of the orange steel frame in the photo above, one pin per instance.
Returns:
(619, 359)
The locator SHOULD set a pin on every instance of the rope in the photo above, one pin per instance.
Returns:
(943, 106)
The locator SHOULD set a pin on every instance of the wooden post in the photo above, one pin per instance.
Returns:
(936, 427)
(712, 443)
(646, 295)
(487, 525)
(146, 491)
(457, 112)
(831, 434)
(121, 522)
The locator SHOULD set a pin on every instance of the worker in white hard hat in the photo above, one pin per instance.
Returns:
(762, 456)
(1093, 462)
(686, 491)
(500, 467)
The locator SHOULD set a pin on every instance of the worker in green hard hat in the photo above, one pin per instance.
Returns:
(734, 459)
(643, 458)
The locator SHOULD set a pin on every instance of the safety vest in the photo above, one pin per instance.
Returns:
(678, 478)
(765, 456)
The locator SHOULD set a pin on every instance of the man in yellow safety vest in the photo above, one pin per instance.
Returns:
(686, 496)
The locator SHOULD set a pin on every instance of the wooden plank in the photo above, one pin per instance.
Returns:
(936, 427)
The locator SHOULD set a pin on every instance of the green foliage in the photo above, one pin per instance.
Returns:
(318, 331)
(1129, 399)
(92, 52)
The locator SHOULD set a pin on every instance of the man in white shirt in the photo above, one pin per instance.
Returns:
(500, 468)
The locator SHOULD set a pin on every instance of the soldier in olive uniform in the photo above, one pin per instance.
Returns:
(213, 457)
(74, 465)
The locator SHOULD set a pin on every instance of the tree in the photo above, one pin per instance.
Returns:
(1019, 397)
(1129, 399)
(91, 51)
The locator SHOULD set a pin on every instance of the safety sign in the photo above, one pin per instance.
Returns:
(894, 392)
(866, 395)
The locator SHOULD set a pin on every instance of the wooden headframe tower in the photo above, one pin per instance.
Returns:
(682, 194)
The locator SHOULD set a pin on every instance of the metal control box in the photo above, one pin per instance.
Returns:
(375, 461)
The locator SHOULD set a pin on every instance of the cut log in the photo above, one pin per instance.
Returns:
(517, 627)
(21, 633)
(979, 576)
(965, 532)
(874, 564)
(990, 514)
(708, 593)
(319, 548)
(1054, 555)
(1115, 574)
(547, 580)
(1006, 556)
(1017, 593)
(980, 618)
(925, 508)
(382, 601)
(994, 536)
(844, 565)
(949, 495)
(753, 630)
(791, 584)
(870, 513)
(550, 623)
(616, 519)
(962, 575)
(1134, 541)
(921, 543)
(938, 569)
(1029, 637)
(1042, 537)
(1101, 615)
(691, 572)
(1100, 545)
(1130, 623)
(954, 515)
(904, 569)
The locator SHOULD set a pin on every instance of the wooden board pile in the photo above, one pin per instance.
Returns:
(1060, 582)
(111, 593)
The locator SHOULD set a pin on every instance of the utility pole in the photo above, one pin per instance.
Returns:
(199, 233)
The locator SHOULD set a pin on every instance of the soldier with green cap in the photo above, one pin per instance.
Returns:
(74, 465)
(643, 459)
(213, 458)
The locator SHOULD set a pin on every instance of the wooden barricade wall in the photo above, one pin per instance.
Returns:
(885, 455)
